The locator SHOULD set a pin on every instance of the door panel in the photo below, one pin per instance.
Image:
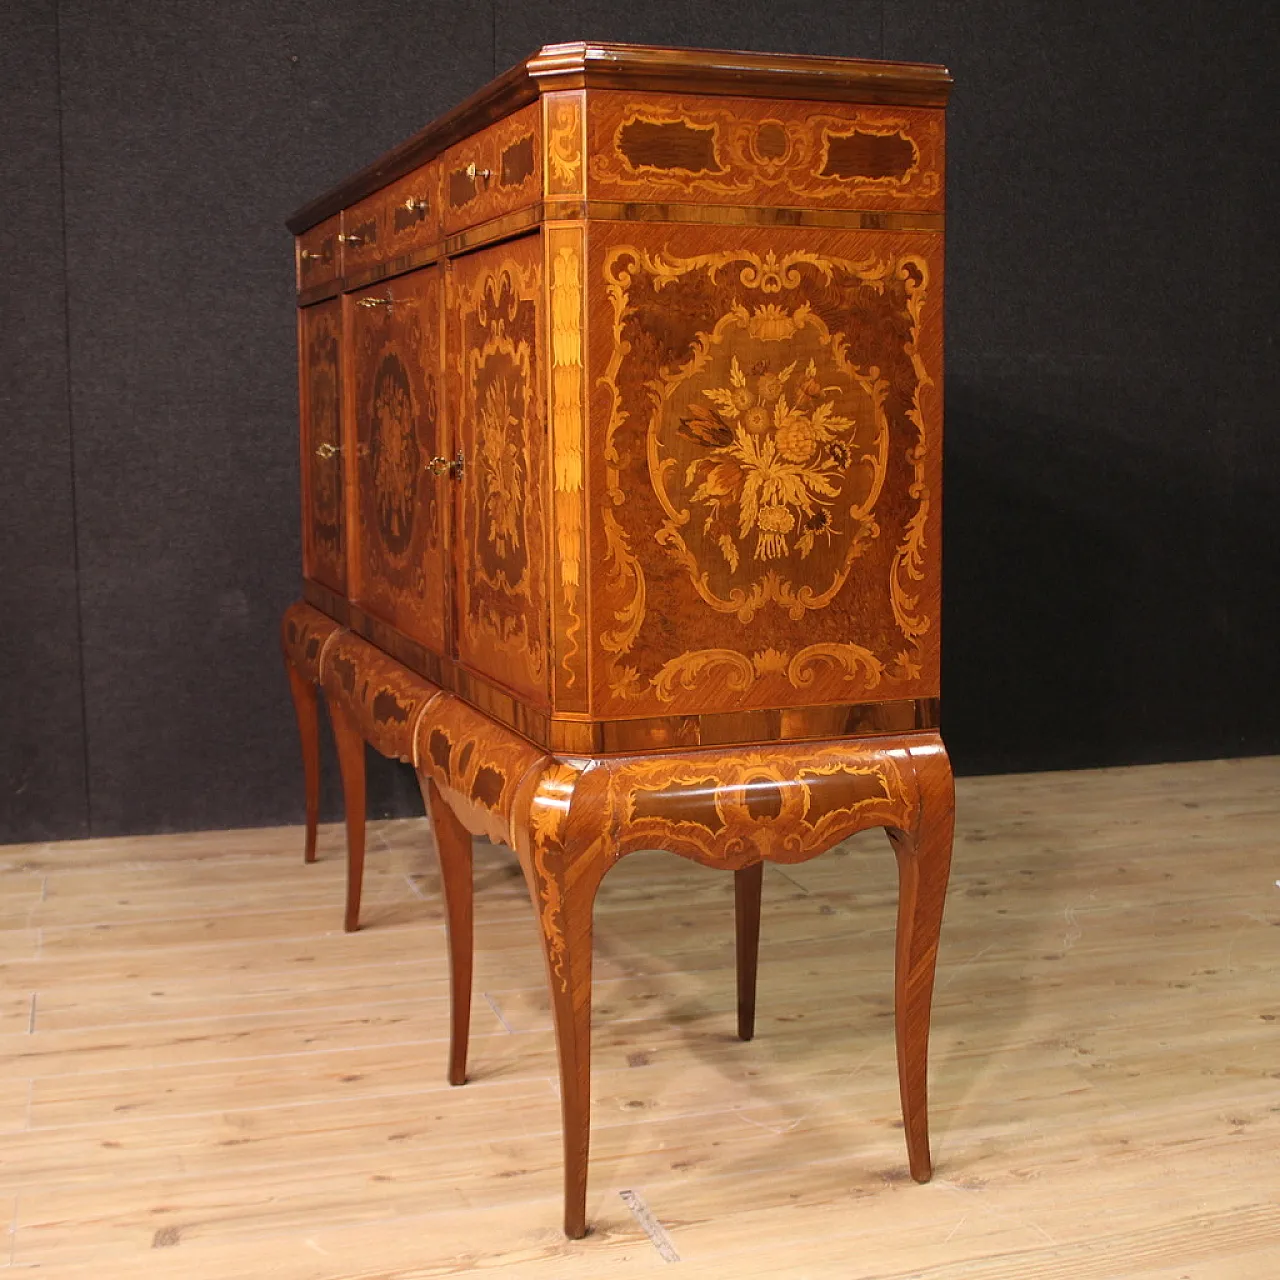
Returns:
(400, 555)
(495, 362)
(324, 545)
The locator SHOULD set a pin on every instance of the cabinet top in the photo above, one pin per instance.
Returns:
(643, 67)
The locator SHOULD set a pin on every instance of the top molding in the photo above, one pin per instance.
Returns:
(646, 67)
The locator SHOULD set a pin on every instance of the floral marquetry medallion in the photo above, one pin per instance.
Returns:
(494, 319)
(770, 472)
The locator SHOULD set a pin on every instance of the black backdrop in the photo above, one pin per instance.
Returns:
(1111, 566)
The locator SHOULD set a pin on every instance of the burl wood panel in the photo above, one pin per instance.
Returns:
(493, 172)
(324, 545)
(496, 373)
(756, 152)
(400, 555)
(766, 491)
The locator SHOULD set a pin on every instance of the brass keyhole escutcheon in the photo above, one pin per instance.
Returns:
(327, 450)
(439, 466)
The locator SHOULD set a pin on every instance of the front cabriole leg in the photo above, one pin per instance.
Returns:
(924, 866)
(564, 860)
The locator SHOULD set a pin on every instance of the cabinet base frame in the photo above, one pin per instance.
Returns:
(571, 818)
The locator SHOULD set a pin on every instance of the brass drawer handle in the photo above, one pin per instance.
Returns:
(416, 206)
(473, 173)
(309, 255)
(443, 466)
(375, 302)
(351, 240)
(327, 450)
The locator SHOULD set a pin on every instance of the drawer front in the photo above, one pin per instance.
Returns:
(497, 395)
(765, 471)
(324, 546)
(400, 557)
(319, 254)
(752, 151)
(494, 172)
(398, 220)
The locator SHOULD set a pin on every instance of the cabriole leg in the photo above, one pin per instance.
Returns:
(747, 884)
(924, 866)
(453, 844)
(562, 883)
(351, 761)
(304, 706)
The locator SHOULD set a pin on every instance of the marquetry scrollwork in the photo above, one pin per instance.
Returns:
(384, 699)
(494, 300)
(750, 151)
(769, 437)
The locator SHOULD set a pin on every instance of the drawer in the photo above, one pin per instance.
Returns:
(319, 254)
(391, 223)
(758, 151)
(494, 172)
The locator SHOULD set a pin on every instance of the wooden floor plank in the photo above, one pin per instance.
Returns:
(200, 1074)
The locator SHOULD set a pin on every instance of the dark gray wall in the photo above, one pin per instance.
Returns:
(1112, 576)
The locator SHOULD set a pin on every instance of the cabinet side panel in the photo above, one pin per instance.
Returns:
(323, 501)
(765, 467)
(495, 358)
(400, 559)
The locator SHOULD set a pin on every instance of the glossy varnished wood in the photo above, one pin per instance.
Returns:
(619, 66)
(641, 459)
(733, 809)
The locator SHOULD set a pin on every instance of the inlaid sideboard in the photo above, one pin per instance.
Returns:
(621, 407)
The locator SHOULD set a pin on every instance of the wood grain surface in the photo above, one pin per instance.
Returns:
(201, 1076)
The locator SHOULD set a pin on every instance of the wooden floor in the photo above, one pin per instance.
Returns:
(200, 1076)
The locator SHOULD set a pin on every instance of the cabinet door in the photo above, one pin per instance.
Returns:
(399, 556)
(765, 468)
(324, 546)
(495, 361)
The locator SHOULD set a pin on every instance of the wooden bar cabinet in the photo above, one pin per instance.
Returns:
(621, 406)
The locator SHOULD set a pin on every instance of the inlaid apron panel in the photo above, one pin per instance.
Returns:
(324, 546)
(496, 383)
(765, 486)
(401, 555)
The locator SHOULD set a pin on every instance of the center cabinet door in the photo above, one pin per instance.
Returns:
(400, 557)
(497, 397)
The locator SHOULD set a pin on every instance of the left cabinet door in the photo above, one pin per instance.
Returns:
(324, 542)
(399, 558)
